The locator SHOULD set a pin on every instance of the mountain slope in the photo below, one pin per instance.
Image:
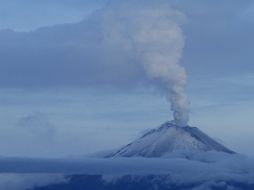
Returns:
(169, 138)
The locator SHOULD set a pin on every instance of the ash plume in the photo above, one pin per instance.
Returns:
(154, 33)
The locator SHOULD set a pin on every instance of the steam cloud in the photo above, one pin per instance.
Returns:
(154, 33)
(122, 33)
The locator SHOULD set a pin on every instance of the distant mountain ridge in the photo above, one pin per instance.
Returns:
(169, 138)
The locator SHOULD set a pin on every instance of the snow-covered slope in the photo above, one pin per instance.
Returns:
(170, 138)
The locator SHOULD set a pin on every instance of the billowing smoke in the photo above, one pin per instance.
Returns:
(154, 33)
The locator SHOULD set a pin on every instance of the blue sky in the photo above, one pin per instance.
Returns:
(64, 92)
(28, 14)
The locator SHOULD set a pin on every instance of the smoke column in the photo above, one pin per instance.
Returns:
(160, 42)
(154, 33)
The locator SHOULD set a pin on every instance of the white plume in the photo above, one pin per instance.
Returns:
(154, 33)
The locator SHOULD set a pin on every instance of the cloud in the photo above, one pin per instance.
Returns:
(70, 55)
(28, 181)
(28, 15)
(201, 170)
(37, 124)
(138, 42)
(79, 55)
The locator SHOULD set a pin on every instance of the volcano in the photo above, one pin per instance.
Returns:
(169, 138)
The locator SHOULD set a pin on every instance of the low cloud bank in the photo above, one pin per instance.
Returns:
(28, 181)
(205, 169)
(180, 163)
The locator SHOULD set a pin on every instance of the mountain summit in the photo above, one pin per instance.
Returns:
(169, 138)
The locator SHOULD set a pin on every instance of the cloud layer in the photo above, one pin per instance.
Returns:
(29, 181)
(209, 170)
(78, 54)
(28, 15)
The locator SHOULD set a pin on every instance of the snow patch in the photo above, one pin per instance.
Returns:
(169, 138)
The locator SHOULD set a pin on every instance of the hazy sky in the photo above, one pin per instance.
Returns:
(27, 15)
(65, 90)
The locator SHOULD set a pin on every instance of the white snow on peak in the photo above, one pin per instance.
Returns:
(169, 138)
